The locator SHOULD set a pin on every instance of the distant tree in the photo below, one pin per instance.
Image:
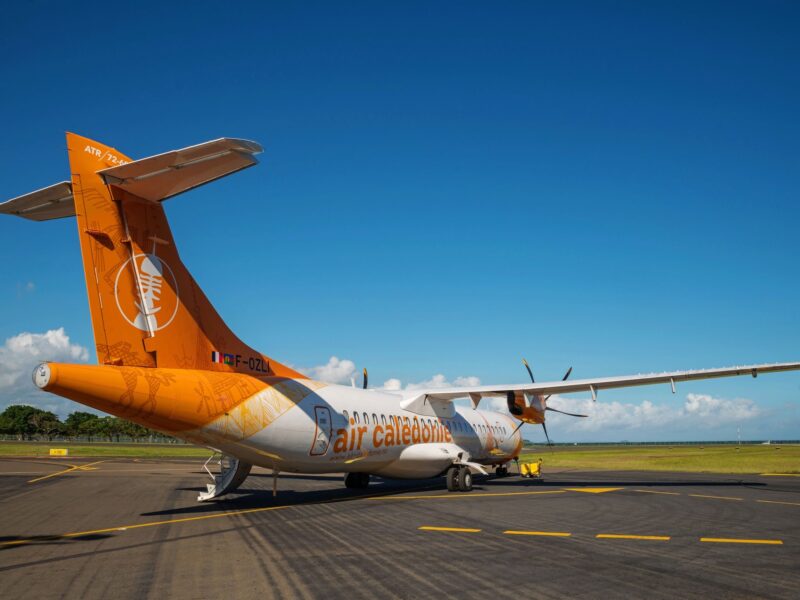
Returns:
(109, 428)
(45, 423)
(74, 422)
(16, 420)
(90, 427)
(134, 430)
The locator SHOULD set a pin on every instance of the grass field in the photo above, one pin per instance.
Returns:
(104, 450)
(688, 459)
(694, 459)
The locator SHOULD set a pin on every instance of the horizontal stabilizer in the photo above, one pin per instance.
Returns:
(53, 202)
(166, 175)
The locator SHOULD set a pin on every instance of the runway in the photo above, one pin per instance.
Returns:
(132, 528)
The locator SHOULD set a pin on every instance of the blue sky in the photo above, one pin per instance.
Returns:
(445, 188)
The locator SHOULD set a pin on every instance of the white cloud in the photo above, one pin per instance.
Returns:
(18, 357)
(699, 411)
(438, 381)
(334, 371)
(393, 385)
(341, 371)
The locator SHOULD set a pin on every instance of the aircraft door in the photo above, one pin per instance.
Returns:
(323, 431)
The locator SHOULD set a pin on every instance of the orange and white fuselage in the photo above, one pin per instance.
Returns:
(296, 425)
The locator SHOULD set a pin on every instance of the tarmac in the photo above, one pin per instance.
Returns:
(126, 528)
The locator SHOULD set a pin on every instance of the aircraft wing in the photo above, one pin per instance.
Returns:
(413, 398)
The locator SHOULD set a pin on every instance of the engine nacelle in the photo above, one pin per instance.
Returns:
(528, 408)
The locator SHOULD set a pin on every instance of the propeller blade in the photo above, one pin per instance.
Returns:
(521, 423)
(549, 443)
(566, 376)
(564, 412)
(366, 378)
(527, 366)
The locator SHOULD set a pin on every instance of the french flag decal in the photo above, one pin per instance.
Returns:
(216, 357)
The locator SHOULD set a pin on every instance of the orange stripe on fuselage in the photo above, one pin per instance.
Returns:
(177, 400)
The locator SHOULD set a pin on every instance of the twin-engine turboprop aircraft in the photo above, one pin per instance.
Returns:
(169, 362)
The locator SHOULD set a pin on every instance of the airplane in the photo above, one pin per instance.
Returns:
(169, 362)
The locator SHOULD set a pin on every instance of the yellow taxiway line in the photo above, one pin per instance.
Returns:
(71, 469)
(779, 502)
(655, 492)
(740, 541)
(716, 497)
(452, 496)
(780, 474)
(452, 529)
(624, 536)
(154, 524)
(542, 533)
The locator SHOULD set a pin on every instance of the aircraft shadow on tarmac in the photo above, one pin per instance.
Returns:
(257, 497)
(29, 540)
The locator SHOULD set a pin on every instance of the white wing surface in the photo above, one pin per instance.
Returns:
(416, 398)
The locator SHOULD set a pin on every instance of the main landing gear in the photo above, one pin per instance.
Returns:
(501, 471)
(356, 480)
(459, 479)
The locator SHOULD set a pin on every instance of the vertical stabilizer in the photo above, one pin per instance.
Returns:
(146, 308)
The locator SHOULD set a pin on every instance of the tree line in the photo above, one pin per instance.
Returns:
(28, 423)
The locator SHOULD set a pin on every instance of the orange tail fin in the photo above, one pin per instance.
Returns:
(146, 308)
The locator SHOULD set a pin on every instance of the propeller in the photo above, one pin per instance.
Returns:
(516, 410)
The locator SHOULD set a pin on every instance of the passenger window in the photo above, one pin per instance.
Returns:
(346, 416)
(383, 419)
(355, 417)
(366, 419)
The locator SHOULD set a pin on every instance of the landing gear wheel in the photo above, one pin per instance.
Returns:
(356, 480)
(452, 479)
(464, 480)
(501, 471)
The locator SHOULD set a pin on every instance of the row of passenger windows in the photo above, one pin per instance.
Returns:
(452, 425)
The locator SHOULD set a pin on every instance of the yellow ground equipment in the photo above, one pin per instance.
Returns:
(532, 470)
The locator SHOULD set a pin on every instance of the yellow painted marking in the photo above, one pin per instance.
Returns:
(655, 492)
(589, 490)
(543, 533)
(154, 523)
(456, 529)
(779, 502)
(59, 451)
(780, 474)
(620, 536)
(71, 468)
(735, 541)
(715, 497)
(452, 495)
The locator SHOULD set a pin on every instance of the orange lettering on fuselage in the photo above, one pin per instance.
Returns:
(395, 433)
(340, 445)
